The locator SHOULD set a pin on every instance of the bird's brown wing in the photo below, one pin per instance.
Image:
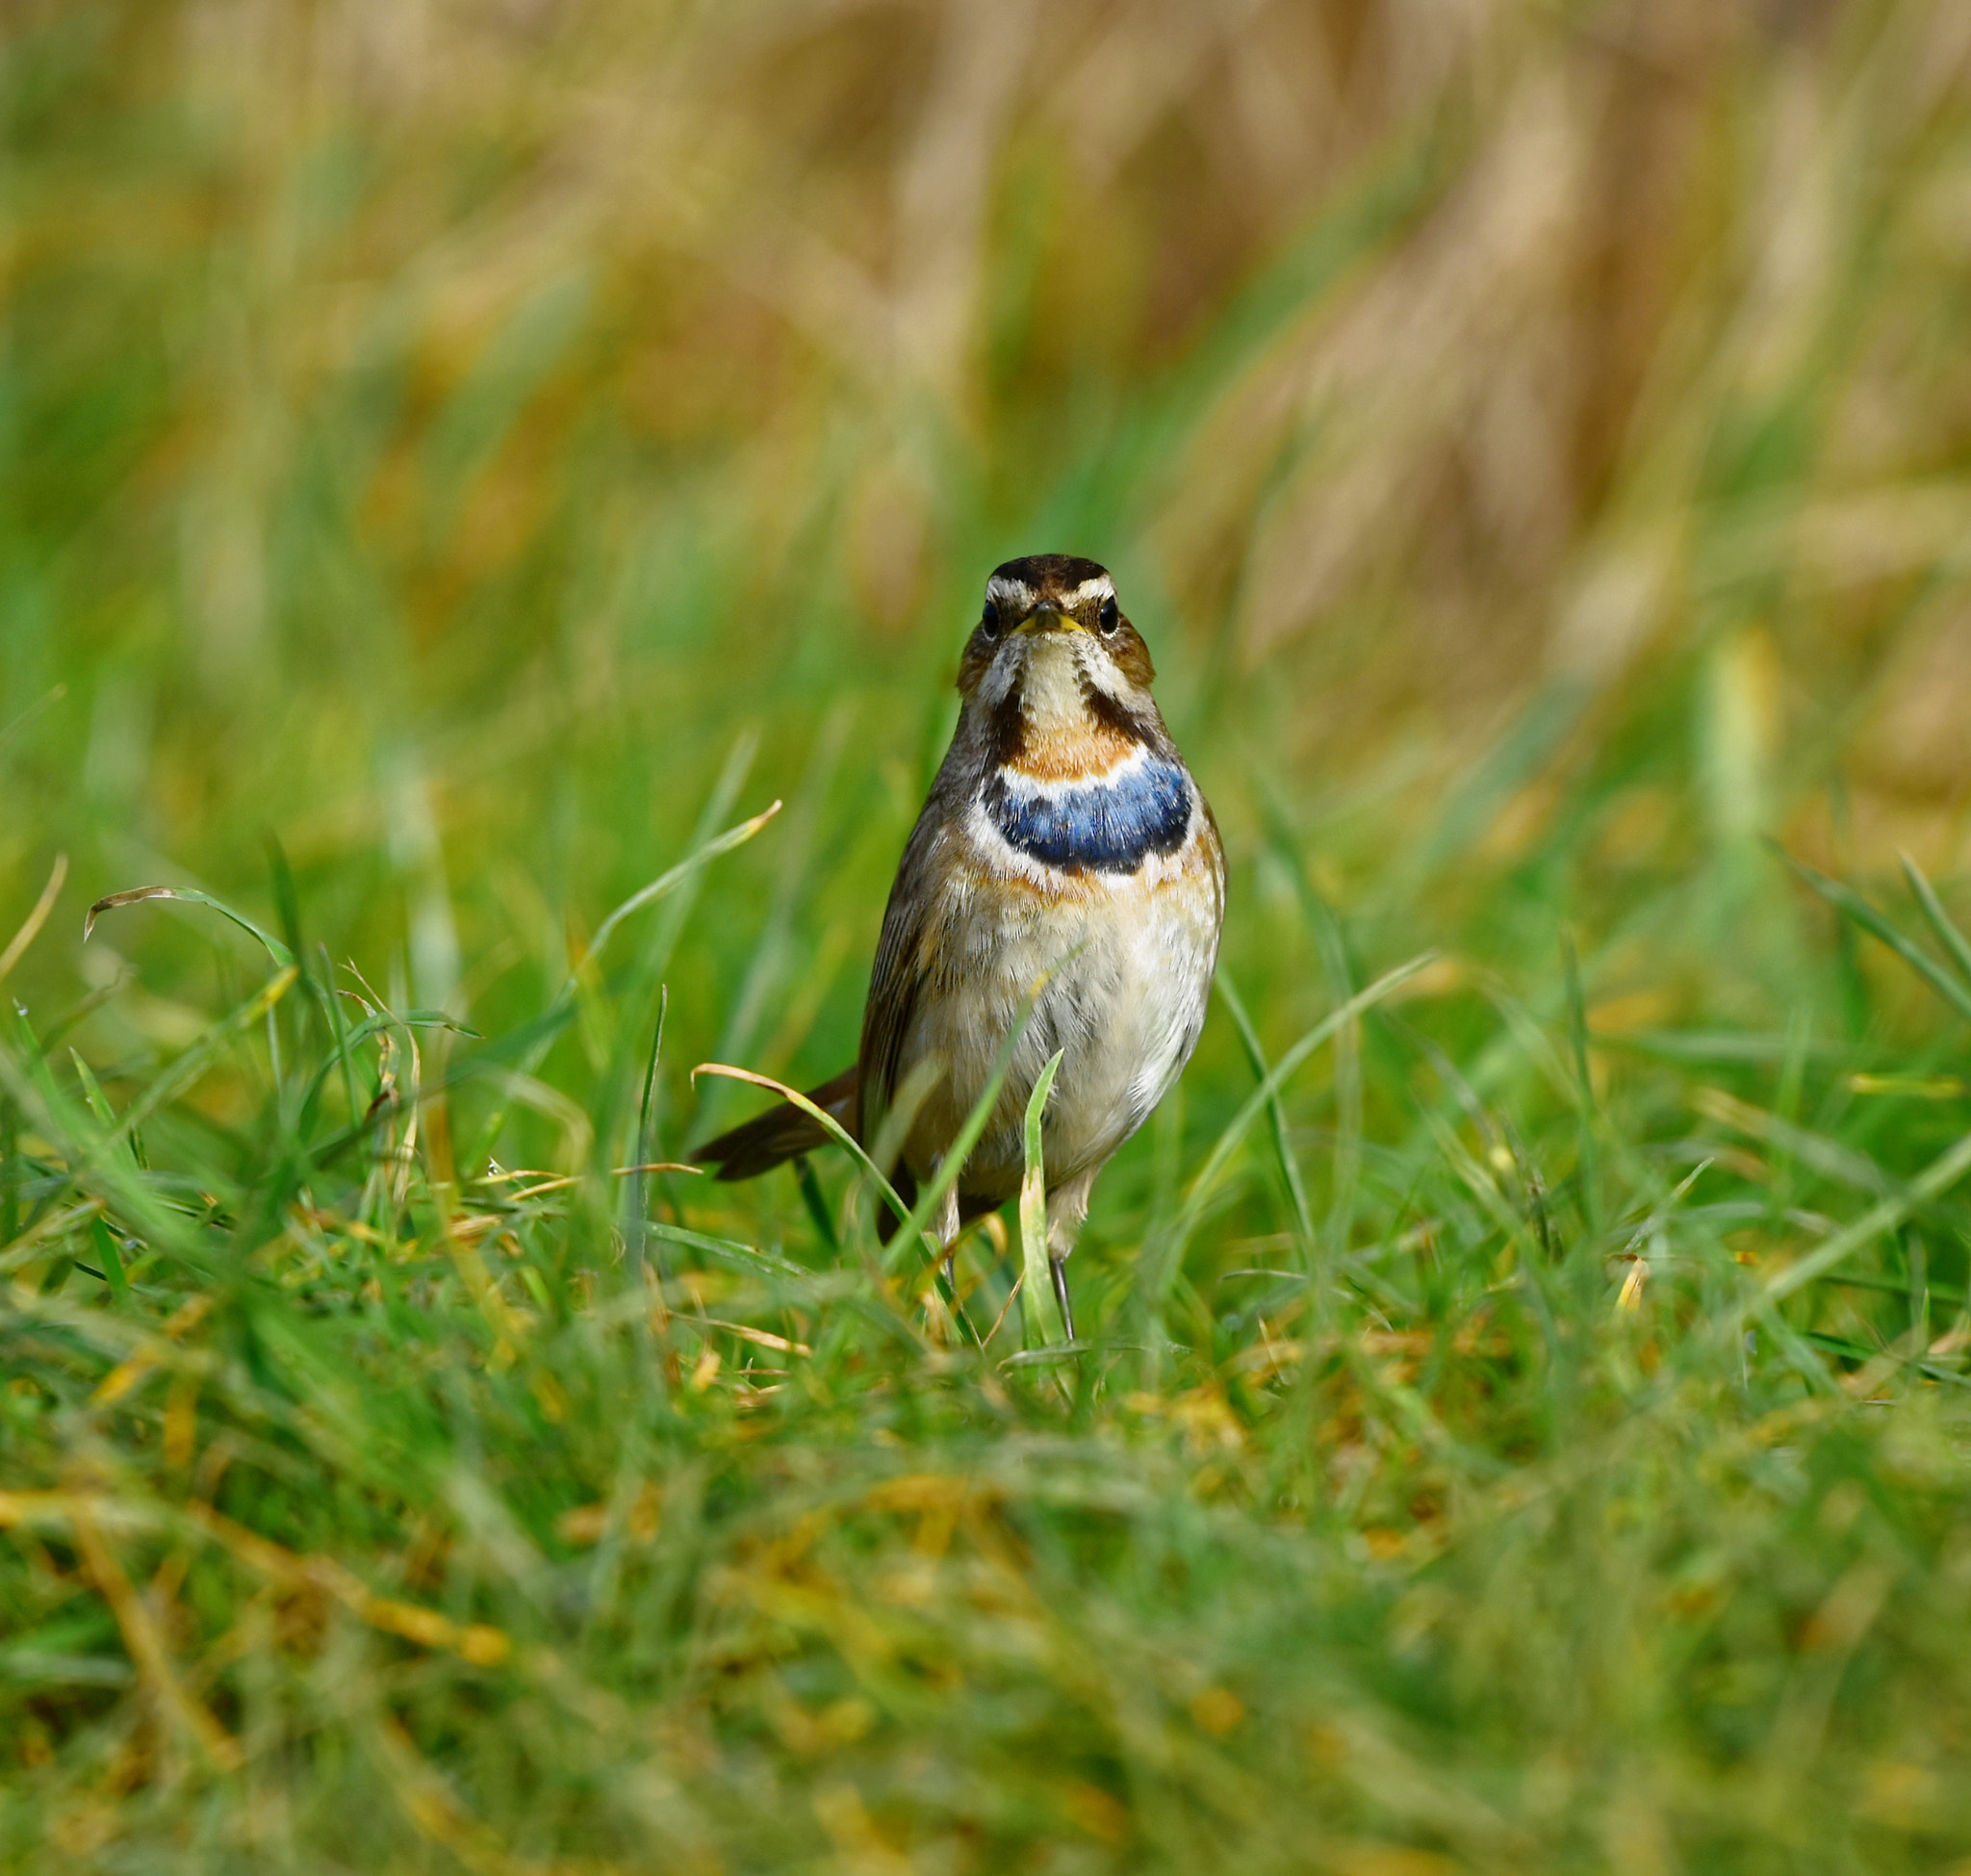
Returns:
(897, 976)
(857, 1097)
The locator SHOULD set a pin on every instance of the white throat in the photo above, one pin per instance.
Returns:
(1051, 697)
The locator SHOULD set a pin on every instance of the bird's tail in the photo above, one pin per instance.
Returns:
(781, 1132)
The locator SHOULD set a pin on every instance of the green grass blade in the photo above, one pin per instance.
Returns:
(829, 1124)
(1941, 922)
(667, 883)
(344, 1062)
(949, 1169)
(110, 1252)
(93, 1165)
(196, 1059)
(812, 1199)
(91, 1090)
(1854, 907)
(137, 895)
(54, 695)
(1283, 1151)
(1162, 1267)
(1039, 1307)
(561, 1009)
(952, 1167)
(1578, 1034)
(1931, 1183)
(636, 1198)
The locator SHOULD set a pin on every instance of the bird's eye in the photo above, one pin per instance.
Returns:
(989, 619)
(1110, 616)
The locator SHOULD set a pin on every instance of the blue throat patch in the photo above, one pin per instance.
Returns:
(1108, 826)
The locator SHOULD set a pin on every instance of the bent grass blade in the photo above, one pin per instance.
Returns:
(31, 927)
(1169, 1256)
(1283, 1152)
(1854, 907)
(138, 895)
(667, 883)
(1941, 922)
(950, 1168)
(1931, 1183)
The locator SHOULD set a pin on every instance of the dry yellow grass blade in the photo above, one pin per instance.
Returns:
(89, 1515)
(147, 1645)
(130, 1371)
(475, 1642)
(31, 926)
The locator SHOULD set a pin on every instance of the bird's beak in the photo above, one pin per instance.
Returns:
(1048, 617)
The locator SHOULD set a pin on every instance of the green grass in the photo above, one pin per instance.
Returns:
(1526, 1421)
(1464, 1471)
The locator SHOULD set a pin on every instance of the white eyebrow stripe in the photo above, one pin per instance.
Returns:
(1017, 593)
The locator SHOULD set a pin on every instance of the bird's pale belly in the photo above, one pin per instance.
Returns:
(1127, 968)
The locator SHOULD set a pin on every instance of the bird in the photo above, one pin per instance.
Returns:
(1066, 856)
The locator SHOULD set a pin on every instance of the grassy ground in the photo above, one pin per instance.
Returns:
(458, 470)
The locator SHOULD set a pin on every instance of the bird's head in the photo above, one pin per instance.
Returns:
(1052, 644)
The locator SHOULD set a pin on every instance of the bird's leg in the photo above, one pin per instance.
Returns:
(1056, 1267)
(945, 1224)
(1067, 1206)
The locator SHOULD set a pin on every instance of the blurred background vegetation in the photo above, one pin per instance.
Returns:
(1529, 435)
(465, 455)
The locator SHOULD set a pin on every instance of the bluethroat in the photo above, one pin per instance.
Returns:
(1065, 847)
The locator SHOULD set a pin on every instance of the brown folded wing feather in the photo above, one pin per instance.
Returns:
(860, 1093)
(896, 977)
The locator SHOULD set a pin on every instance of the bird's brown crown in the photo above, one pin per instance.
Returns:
(1064, 580)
